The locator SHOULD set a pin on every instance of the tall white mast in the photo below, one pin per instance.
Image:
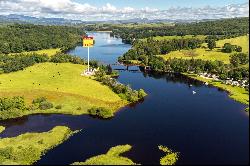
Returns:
(88, 59)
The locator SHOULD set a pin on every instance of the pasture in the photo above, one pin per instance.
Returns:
(49, 52)
(62, 85)
(205, 54)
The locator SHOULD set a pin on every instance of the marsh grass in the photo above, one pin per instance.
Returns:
(27, 148)
(112, 157)
(170, 158)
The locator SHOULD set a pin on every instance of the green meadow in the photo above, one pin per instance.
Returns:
(242, 41)
(28, 148)
(112, 157)
(62, 85)
(205, 54)
(49, 52)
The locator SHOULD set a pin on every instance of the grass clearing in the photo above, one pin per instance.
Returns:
(199, 53)
(62, 85)
(112, 157)
(242, 41)
(49, 52)
(215, 54)
(27, 148)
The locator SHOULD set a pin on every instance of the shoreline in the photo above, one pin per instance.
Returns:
(71, 99)
(37, 144)
(233, 91)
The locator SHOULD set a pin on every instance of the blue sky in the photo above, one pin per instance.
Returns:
(161, 4)
(101, 10)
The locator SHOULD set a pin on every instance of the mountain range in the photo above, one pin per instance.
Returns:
(14, 18)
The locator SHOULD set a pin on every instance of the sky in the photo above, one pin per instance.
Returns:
(101, 10)
(161, 4)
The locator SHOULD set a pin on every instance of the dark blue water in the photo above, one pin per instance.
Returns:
(206, 128)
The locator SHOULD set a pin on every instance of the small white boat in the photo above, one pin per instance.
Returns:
(206, 83)
(194, 92)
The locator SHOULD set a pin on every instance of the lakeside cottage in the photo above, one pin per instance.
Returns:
(240, 83)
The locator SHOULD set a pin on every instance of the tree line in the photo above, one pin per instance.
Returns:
(142, 49)
(234, 70)
(11, 63)
(219, 29)
(17, 38)
(103, 75)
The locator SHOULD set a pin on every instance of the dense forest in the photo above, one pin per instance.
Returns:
(17, 38)
(11, 63)
(225, 28)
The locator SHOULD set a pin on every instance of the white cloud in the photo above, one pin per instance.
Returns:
(71, 10)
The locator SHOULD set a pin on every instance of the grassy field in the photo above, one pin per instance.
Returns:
(49, 52)
(237, 93)
(242, 41)
(215, 54)
(112, 157)
(62, 85)
(159, 38)
(27, 148)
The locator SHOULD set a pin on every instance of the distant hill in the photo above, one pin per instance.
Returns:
(14, 18)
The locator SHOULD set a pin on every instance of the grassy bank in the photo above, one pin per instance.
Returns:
(2, 129)
(62, 85)
(27, 148)
(215, 54)
(237, 93)
(170, 157)
(112, 157)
